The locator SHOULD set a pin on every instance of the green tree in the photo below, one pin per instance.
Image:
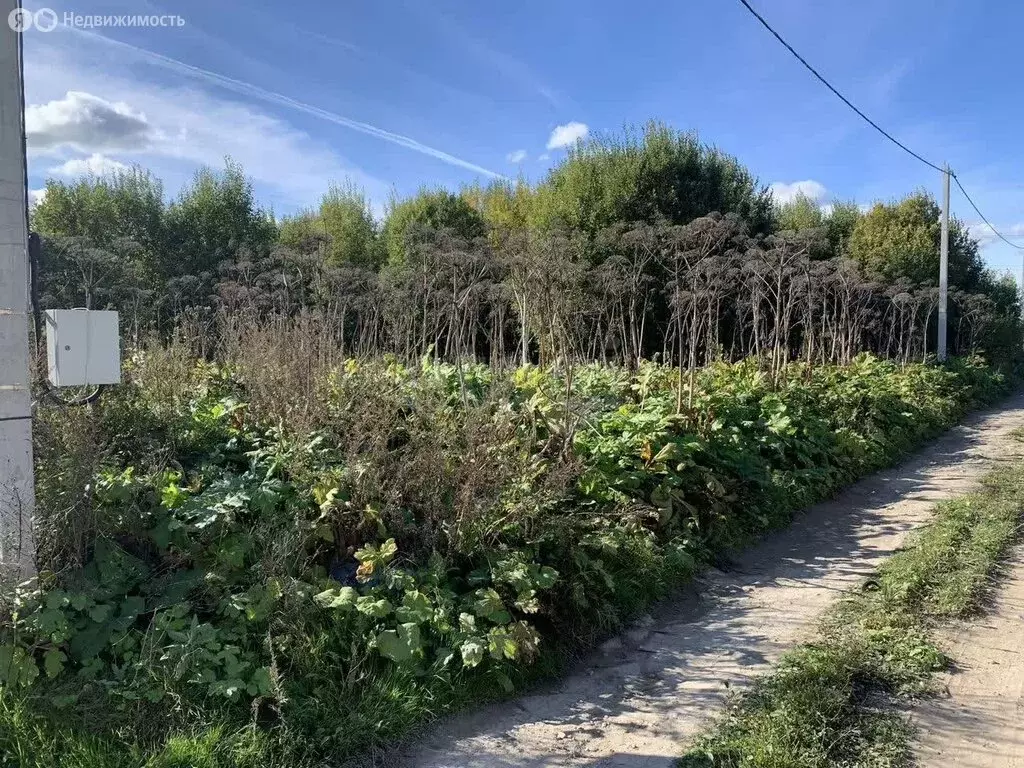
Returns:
(657, 175)
(839, 225)
(101, 211)
(343, 224)
(215, 219)
(349, 223)
(429, 210)
(798, 214)
(505, 206)
(303, 232)
(901, 240)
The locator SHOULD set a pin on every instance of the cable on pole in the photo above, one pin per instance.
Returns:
(872, 123)
(829, 85)
(34, 248)
(982, 215)
(24, 130)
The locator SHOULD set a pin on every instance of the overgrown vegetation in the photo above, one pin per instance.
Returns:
(649, 244)
(364, 472)
(836, 702)
(287, 557)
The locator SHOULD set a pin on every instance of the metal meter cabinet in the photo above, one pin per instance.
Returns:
(83, 347)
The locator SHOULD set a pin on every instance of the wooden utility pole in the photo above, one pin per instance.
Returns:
(17, 486)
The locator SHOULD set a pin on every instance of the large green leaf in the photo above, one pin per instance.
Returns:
(488, 605)
(343, 598)
(373, 607)
(53, 662)
(415, 608)
(400, 645)
(472, 651)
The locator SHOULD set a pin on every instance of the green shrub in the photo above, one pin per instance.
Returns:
(425, 539)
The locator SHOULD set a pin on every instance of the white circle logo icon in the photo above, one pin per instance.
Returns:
(19, 19)
(45, 19)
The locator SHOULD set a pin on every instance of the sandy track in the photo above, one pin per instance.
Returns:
(640, 699)
(980, 724)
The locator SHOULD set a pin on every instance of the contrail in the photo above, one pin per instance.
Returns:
(255, 91)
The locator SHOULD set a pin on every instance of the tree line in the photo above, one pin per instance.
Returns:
(648, 244)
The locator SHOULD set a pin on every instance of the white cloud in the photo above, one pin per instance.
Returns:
(981, 232)
(544, 158)
(251, 90)
(87, 123)
(567, 135)
(93, 165)
(516, 157)
(36, 196)
(786, 193)
(188, 127)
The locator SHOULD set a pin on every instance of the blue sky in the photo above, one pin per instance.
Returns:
(396, 94)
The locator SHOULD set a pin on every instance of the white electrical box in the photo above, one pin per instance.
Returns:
(83, 347)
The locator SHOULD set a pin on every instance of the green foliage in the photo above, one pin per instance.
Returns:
(345, 225)
(103, 240)
(442, 534)
(839, 225)
(798, 214)
(213, 220)
(112, 241)
(124, 205)
(505, 206)
(609, 257)
(835, 224)
(901, 240)
(660, 174)
(437, 210)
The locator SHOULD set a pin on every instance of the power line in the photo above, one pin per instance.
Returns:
(978, 211)
(845, 100)
(872, 123)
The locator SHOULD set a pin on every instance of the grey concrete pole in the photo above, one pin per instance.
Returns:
(944, 266)
(17, 486)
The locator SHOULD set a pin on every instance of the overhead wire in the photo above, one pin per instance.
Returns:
(982, 215)
(872, 123)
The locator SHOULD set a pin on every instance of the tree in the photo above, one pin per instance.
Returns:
(638, 246)
(504, 206)
(901, 240)
(659, 175)
(798, 214)
(839, 225)
(214, 220)
(103, 244)
(345, 225)
(124, 206)
(429, 210)
(75, 273)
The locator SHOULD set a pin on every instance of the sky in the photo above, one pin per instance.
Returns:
(395, 95)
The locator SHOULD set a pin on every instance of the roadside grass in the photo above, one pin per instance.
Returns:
(835, 702)
(716, 483)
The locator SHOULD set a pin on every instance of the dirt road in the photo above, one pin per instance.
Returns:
(646, 694)
(980, 724)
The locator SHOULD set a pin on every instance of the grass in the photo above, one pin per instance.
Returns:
(836, 702)
(446, 462)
